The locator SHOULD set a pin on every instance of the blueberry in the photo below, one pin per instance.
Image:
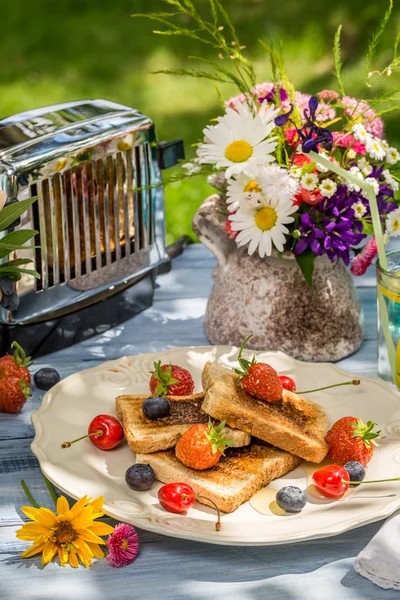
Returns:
(355, 470)
(156, 408)
(291, 499)
(45, 378)
(7, 286)
(10, 301)
(140, 477)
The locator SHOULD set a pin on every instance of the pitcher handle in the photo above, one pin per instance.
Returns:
(208, 225)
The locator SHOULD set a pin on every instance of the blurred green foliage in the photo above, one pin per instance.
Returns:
(58, 51)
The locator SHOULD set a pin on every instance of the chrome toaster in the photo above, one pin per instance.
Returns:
(95, 167)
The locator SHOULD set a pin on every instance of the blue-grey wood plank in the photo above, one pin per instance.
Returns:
(169, 568)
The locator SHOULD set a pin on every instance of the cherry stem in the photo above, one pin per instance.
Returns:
(218, 523)
(327, 387)
(98, 433)
(370, 481)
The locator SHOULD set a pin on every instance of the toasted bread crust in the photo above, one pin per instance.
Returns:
(147, 435)
(234, 480)
(293, 424)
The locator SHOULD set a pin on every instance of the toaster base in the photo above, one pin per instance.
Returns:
(39, 339)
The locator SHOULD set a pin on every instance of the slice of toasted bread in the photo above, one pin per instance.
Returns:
(152, 435)
(293, 424)
(234, 480)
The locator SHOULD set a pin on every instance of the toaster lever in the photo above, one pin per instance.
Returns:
(170, 153)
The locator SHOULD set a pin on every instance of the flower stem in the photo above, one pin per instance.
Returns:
(327, 387)
(51, 489)
(29, 495)
(99, 432)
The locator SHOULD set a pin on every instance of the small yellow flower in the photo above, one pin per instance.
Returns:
(72, 534)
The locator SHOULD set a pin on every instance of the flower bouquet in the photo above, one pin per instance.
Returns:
(303, 181)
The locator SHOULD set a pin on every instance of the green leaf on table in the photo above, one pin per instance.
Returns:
(11, 212)
(306, 263)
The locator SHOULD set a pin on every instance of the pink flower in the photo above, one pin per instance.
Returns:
(291, 136)
(123, 545)
(346, 139)
(228, 230)
(328, 95)
(355, 108)
(362, 261)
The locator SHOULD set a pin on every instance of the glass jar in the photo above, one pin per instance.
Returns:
(388, 311)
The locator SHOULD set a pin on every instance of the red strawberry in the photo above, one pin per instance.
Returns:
(14, 393)
(351, 439)
(14, 380)
(171, 380)
(16, 365)
(259, 379)
(202, 446)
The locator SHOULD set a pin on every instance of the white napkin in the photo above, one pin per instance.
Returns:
(380, 560)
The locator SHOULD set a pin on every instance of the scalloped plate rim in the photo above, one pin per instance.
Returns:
(212, 536)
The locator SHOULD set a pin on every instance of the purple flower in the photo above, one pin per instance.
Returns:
(281, 120)
(271, 96)
(311, 134)
(123, 545)
(331, 227)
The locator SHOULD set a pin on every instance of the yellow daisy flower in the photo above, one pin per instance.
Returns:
(72, 534)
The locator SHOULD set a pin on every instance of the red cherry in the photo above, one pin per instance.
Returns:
(104, 431)
(330, 481)
(176, 497)
(111, 432)
(287, 383)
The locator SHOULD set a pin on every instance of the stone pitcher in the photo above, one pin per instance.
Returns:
(269, 298)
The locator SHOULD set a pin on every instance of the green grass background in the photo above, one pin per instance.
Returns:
(58, 51)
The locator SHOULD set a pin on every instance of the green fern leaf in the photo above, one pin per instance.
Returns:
(373, 44)
(337, 59)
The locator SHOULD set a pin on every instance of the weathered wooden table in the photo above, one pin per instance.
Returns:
(169, 568)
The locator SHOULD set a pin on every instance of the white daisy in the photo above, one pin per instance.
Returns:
(374, 183)
(360, 134)
(243, 187)
(352, 187)
(296, 172)
(309, 181)
(390, 180)
(328, 187)
(392, 156)
(375, 149)
(385, 145)
(351, 153)
(393, 223)
(359, 209)
(277, 184)
(364, 166)
(263, 228)
(240, 141)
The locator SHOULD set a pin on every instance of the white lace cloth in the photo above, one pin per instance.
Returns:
(380, 559)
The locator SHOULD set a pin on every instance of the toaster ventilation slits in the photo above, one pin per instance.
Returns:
(90, 217)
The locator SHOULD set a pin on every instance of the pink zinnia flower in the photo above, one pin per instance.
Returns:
(123, 545)
(362, 261)
(291, 136)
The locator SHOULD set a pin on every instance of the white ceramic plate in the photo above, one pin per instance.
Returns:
(83, 469)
